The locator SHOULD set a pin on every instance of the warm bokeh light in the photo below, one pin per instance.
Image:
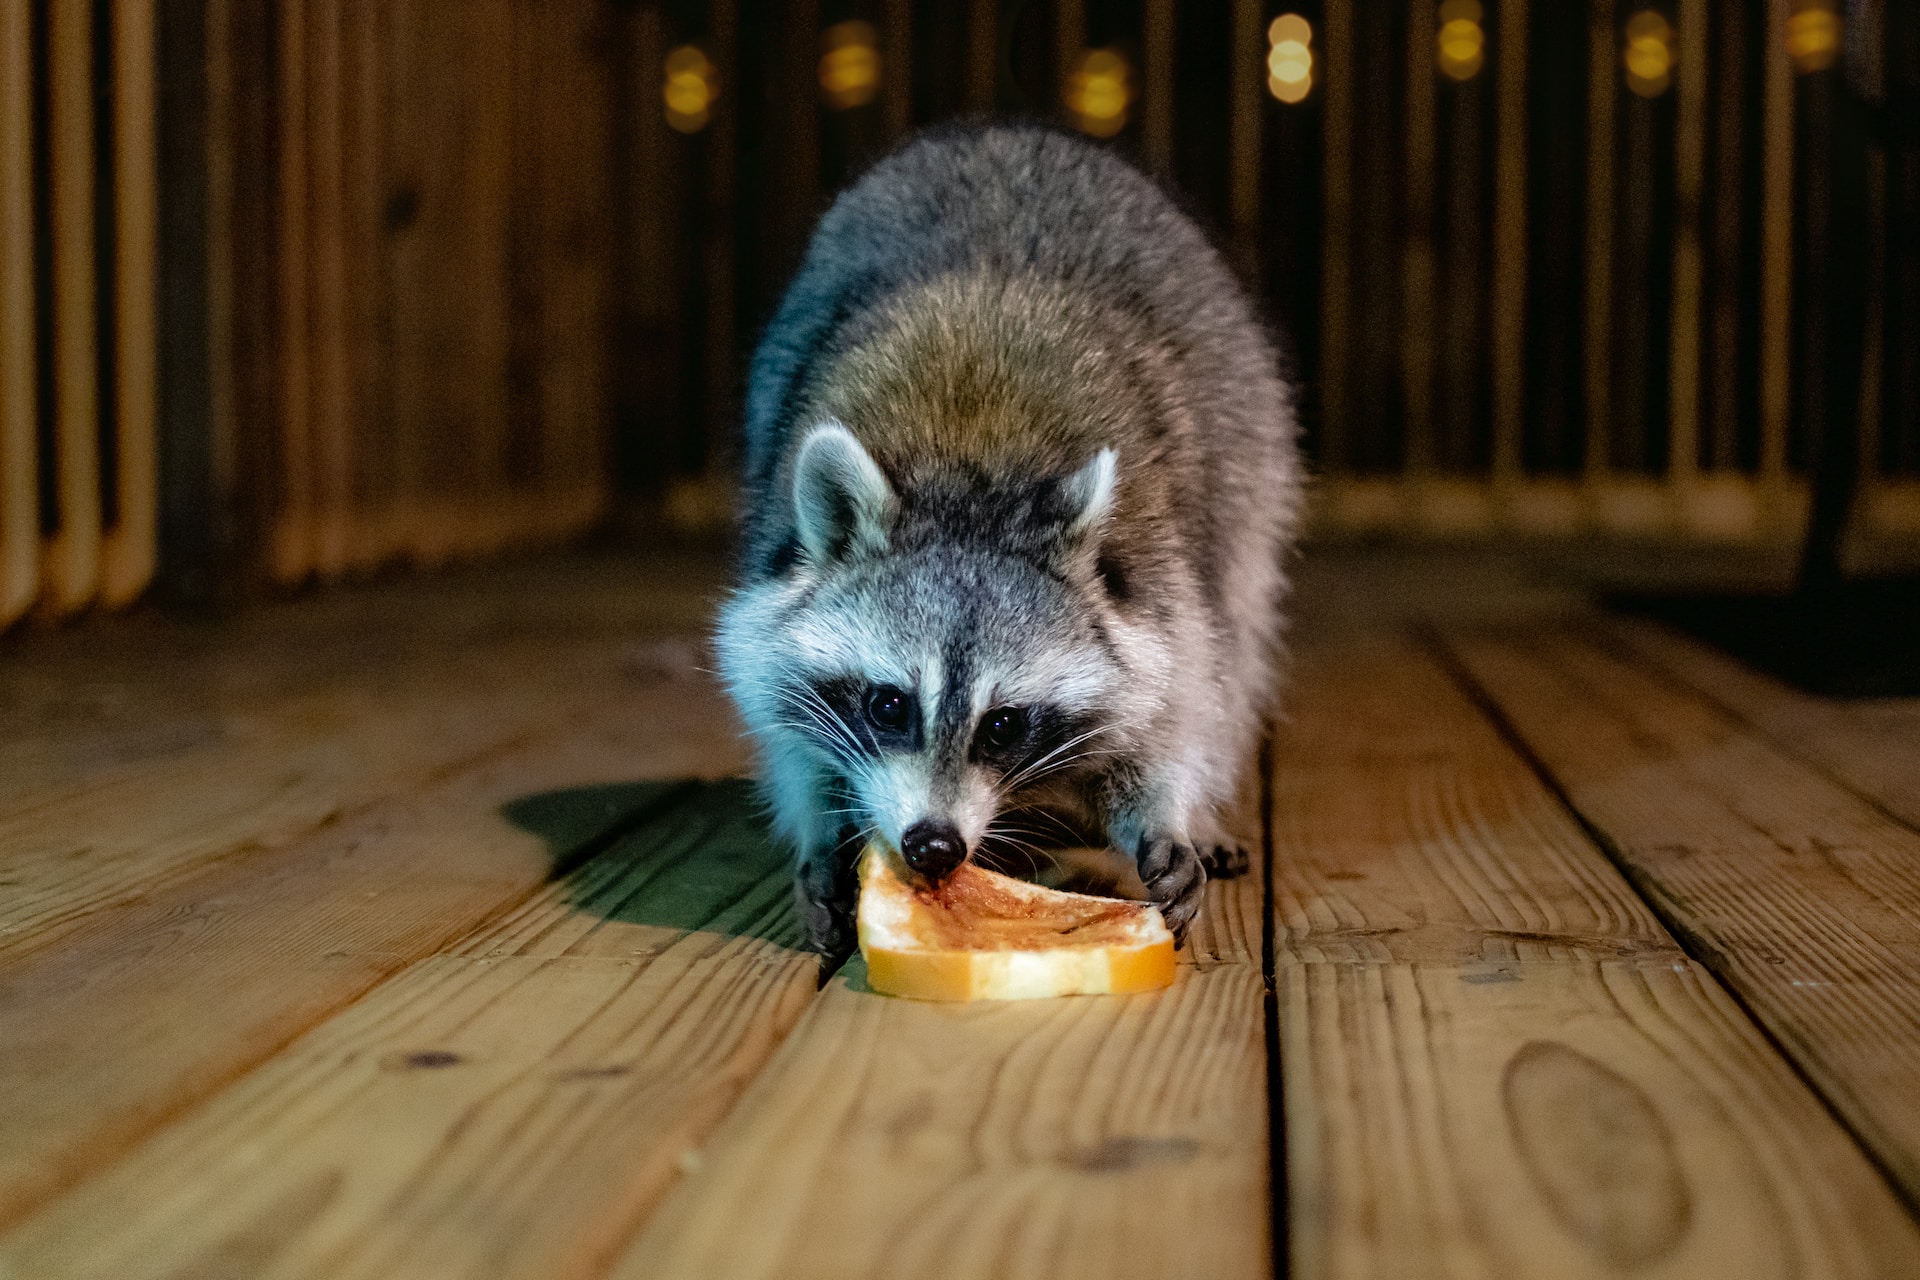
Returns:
(1290, 58)
(1461, 43)
(1813, 38)
(1649, 53)
(692, 84)
(1099, 91)
(849, 65)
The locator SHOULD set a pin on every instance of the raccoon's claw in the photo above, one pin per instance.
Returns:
(828, 888)
(1175, 879)
(1226, 862)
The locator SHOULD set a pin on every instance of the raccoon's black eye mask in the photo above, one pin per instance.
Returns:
(872, 718)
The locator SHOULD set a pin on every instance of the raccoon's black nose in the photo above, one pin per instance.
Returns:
(933, 849)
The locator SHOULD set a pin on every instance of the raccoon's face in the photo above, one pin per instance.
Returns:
(934, 682)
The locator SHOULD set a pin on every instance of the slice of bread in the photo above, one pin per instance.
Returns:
(985, 936)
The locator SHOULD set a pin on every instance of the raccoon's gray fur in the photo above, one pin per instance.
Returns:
(1020, 477)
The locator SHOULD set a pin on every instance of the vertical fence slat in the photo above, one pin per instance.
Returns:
(1722, 339)
(292, 556)
(1776, 249)
(19, 446)
(129, 556)
(717, 275)
(1243, 142)
(73, 560)
(1598, 336)
(1417, 305)
(1509, 293)
(327, 265)
(1069, 39)
(896, 73)
(207, 504)
(369, 422)
(1683, 339)
(1156, 107)
(1337, 253)
(983, 50)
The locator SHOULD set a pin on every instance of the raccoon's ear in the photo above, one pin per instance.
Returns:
(842, 503)
(1087, 495)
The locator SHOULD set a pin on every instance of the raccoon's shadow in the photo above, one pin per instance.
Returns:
(683, 854)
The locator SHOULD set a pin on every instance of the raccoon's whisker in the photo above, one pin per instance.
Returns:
(1031, 770)
(819, 716)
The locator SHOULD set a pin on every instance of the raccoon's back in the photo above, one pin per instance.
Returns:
(1036, 208)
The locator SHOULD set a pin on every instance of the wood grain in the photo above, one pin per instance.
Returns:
(1406, 830)
(1801, 896)
(1870, 745)
(1565, 1119)
(245, 782)
(19, 402)
(1495, 1060)
(144, 1009)
(508, 1108)
(1097, 1136)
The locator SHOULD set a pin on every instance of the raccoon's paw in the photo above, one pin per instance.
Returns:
(1175, 879)
(1228, 860)
(827, 885)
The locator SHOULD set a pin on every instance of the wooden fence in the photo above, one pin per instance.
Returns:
(1543, 267)
(439, 278)
(376, 328)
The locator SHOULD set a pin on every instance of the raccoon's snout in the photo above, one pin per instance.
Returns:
(933, 849)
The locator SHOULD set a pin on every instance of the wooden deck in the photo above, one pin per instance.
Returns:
(418, 931)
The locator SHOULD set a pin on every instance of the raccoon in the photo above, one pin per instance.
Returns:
(1019, 484)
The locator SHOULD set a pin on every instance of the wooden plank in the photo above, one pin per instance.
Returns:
(84, 709)
(72, 564)
(114, 784)
(247, 779)
(19, 408)
(1801, 896)
(1104, 1136)
(1407, 832)
(554, 1068)
(1483, 1030)
(145, 1010)
(1566, 1120)
(131, 551)
(1872, 746)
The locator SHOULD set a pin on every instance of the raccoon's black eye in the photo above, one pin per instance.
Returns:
(888, 707)
(1003, 728)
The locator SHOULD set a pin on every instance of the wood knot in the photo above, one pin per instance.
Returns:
(1598, 1151)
